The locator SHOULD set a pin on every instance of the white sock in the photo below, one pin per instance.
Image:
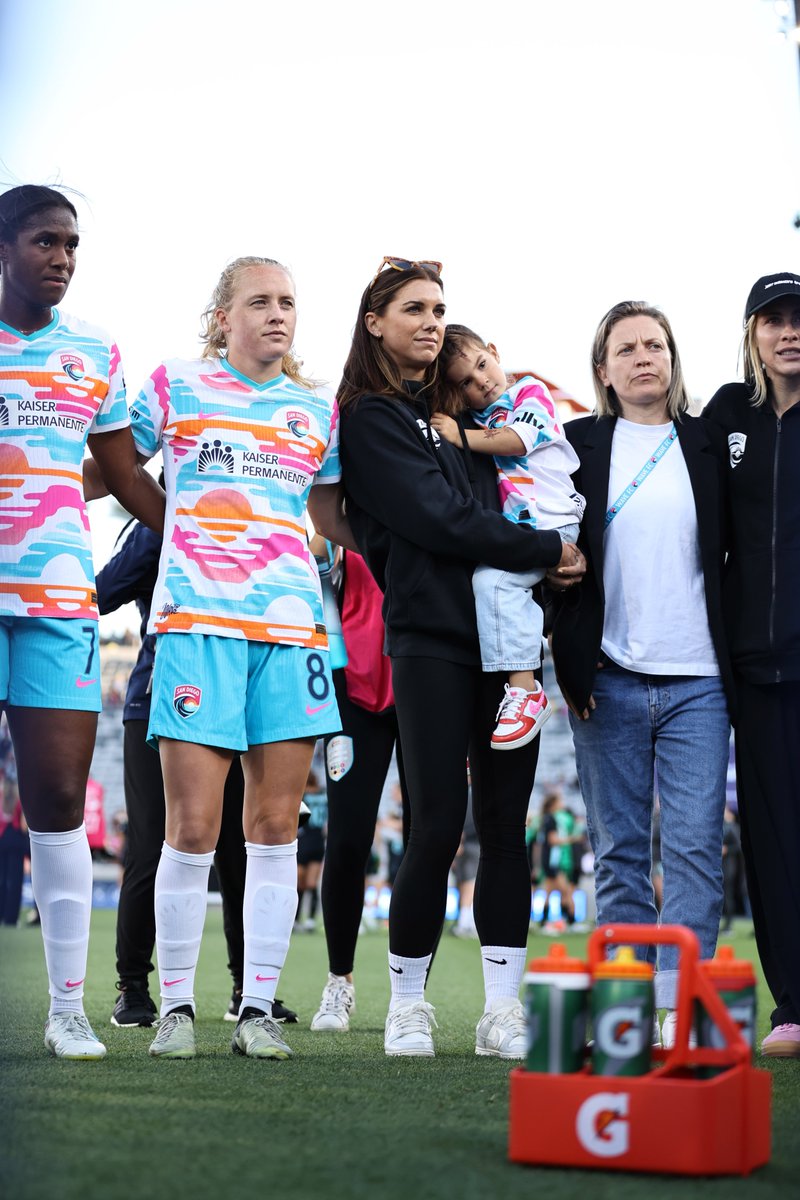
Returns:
(181, 897)
(61, 878)
(270, 905)
(407, 976)
(503, 967)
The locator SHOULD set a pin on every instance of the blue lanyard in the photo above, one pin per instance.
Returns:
(649, 466)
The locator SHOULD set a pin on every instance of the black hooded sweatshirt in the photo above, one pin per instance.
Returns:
(424, 514)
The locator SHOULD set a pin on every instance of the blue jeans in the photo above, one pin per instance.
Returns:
(509, 619)
(677, 725)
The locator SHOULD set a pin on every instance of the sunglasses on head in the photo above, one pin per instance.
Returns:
(405, 264)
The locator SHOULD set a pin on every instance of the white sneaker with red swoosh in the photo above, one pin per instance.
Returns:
(520, 717)
(69, 1035)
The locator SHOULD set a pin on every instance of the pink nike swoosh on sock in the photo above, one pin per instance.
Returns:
(266, 978)
(172, 982)
(69, 983)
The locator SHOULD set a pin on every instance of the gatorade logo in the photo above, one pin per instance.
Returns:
(742, 1015)
(602, 1124)
(620, 1031)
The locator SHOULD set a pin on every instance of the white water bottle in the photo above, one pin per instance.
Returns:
(330, 611)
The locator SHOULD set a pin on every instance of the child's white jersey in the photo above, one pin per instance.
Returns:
(239, 460)
(57, 386)
(536, 486)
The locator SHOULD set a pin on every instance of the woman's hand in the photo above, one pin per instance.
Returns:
(447, 428)
(569, 570)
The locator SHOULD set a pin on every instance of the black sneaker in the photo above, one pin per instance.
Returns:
(134, 1006)
(232, 1011)
(280, 1012)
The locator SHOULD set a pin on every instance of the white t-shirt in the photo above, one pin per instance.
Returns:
(656, 620)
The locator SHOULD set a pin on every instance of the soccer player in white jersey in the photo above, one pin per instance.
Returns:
(241, 664)
(61, 386)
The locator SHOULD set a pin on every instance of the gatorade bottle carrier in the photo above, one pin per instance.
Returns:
(667, 1121)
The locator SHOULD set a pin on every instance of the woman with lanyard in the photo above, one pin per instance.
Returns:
(638, 648)
(760, 420)
(424, 514)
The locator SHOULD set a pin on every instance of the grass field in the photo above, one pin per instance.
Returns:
(337, 1120)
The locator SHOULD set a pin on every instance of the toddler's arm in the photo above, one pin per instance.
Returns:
(504, 442)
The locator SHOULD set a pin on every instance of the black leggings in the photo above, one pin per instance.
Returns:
(446, 713)
(144, 801)
(353, 801)
(768, 788)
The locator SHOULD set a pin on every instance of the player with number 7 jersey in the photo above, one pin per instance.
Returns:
(61, 390)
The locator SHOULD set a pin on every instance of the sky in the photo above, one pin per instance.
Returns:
(557, 156)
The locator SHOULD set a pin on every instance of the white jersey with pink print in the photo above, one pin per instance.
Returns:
(239, 460)
(536, 486)
(57, 386)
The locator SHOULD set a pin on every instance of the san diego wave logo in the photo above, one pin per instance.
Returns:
(73, 366)
(736, 446)
(215, 457)
(186, 699)
(3, 411)
(297, 423)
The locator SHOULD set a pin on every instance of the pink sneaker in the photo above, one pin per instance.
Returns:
(783, 1042)
(519, 718)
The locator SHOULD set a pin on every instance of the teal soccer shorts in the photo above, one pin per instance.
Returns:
(233, 693)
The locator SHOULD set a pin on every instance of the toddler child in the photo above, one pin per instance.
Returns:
(519, 426)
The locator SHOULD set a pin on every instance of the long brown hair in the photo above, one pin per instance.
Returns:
(369, 369)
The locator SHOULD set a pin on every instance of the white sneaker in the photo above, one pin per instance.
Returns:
(408, 1030)
(669, 1029)
(337, 1003)
(69, 1035)
(502, 1030)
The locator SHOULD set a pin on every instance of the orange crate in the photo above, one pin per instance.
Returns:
(667, 1121)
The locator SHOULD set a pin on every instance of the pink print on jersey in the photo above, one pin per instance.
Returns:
(239, 461)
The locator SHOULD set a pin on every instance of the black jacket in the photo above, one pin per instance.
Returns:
(131, 575)
(761, 590)
(420, 510)
(577, 625)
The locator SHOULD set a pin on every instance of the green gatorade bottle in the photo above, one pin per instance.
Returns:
(623, 1007)
(556, 1003)
(735, 981)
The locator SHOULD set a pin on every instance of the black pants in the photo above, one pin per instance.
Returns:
(768, 787)
(15, 846)
(353, 802)
(144, 801)
(447, 713)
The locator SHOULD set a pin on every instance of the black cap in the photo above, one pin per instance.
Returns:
(769, 288)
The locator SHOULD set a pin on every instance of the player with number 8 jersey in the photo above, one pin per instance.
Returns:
(242, 663)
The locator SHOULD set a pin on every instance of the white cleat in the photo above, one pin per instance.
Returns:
(69, 1035)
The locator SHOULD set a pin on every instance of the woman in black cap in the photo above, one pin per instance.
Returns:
(761, 419)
